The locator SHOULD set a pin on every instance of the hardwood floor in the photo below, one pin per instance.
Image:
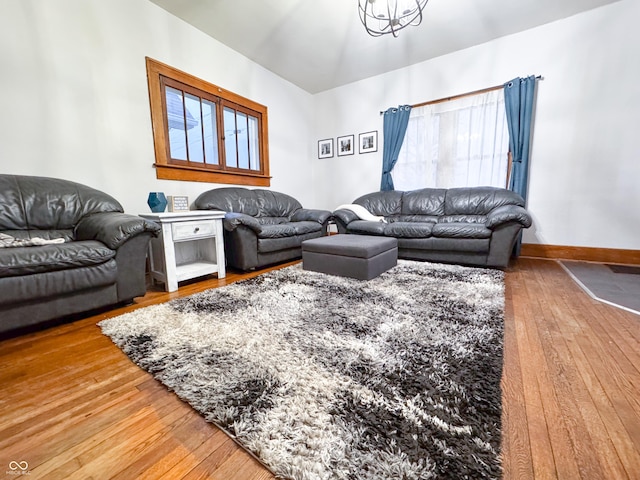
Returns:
(72, 405)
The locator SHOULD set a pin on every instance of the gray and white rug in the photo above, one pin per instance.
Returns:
(324, 377)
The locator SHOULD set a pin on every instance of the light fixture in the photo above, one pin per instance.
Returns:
(380, 17)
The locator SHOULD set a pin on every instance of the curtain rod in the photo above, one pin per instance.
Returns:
(462, 95)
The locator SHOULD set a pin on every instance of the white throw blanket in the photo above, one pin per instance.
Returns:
(9, 241)
(361, 212)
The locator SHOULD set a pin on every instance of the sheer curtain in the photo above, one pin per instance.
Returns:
(456, 143)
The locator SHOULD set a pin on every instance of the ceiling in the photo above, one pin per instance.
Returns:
(319, 45)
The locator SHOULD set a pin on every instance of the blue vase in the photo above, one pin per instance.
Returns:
(157, 202)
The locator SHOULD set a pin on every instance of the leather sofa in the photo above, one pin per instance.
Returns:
(262, 227)
(65, 248)
(472, 226)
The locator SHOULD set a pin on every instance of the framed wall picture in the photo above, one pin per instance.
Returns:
(368, 142)
(345, 145)
(325, 148)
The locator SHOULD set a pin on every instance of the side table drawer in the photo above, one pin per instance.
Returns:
(191, 230)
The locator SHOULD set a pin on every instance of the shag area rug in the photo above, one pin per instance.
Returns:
(324, 377)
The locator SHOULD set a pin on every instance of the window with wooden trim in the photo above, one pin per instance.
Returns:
(204, 133)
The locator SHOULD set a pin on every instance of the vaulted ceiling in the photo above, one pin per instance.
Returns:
(319, 45)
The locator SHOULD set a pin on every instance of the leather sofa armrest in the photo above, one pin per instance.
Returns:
(310, 215)
(113, 228)
(508, 213)
(232, 220)
(345, 216)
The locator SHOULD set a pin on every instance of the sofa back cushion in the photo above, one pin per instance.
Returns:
(382, 204)
(273, 207)
(426, 201)
(478, 200)
(275, 204)
(48, 204)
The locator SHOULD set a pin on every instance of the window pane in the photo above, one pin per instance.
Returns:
(194, 130)
(210, 132)
(175, 117)
(254, 150)
(230, 137)
(243, 140)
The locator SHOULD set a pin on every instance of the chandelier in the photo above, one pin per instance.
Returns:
(380, 17)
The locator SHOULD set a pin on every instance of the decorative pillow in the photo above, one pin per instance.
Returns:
(361, 212)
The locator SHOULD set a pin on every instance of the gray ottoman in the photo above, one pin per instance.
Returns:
(358, 256)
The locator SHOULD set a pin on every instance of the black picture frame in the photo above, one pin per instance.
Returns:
(325, 148)
(345, 145)
(368, 142)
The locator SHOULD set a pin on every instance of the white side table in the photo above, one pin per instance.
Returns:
(190, 245)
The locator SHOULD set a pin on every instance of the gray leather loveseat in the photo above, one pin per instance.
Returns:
(473, 226)
(262, 227)
(65, 248)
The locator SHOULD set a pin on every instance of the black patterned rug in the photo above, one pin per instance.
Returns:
(324, 377)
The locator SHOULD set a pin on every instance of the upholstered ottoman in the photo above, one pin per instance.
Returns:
(358, 256)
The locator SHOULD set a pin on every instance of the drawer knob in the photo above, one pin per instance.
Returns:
(196, 230)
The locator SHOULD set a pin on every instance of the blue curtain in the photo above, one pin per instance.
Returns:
(394, 128)
(519, 95)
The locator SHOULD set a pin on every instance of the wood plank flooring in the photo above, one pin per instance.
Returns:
(73, 406)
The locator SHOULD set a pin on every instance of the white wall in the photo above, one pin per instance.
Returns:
(75, 103)
(584, 185)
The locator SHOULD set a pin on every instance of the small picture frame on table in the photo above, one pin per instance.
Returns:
(325, 148)
(368, 142)
(178, 203)
(345, 145)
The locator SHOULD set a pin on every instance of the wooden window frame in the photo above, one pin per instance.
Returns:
(168, 169)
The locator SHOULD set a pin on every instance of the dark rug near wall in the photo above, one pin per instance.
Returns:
(324, 377)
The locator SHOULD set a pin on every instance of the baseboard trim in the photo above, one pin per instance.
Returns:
(589, 254)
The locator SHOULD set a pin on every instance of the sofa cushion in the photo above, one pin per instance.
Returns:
(277, 231)
(461, 230)
(382, 203)
(39, 203)
(24, 288)
(303, 228)
(228, 199)
(426, 201)
(463, 219)
(269, 245)
(48, 258)
(289, 229)
(412, 218)
(271, 220)
(470, 245)
(253, 202)
(275, 204)
(67, 235)
(478, 200)
(311, 215)
(364, 227)
(409, 229)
